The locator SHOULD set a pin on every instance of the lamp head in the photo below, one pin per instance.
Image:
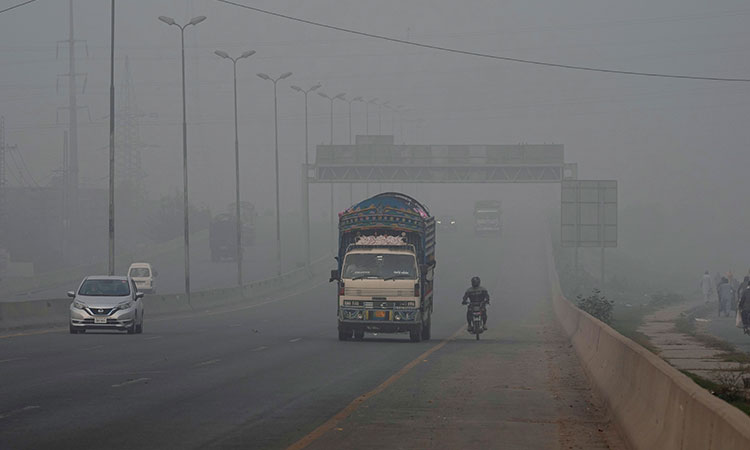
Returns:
(221, 53)
(167, 20)
(197, 20)
(324, 95)
(264, 76)
(297, 88)
(285, 75)
(247, 54)
(316, 87)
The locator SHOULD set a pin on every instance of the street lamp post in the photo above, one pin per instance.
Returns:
(112, 145)
(276, 138)
(355, 99)
(372, 101)
(333, 229)
(194, 21)
(225, 55)
(305, 184)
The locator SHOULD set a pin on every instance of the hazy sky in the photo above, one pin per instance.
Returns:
(678, 144)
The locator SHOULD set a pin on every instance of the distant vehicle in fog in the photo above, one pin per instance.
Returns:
(106, 303)
(447, 223)
(144, 276)
(223, 232)
(487, 215)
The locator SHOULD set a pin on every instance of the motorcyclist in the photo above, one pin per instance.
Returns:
(476, 294)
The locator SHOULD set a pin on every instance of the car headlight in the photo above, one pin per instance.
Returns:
(78, 305)
(125, 305)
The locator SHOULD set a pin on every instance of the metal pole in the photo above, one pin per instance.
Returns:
(185, 173)
(278, 209)
(601, 193)
(306, 195)
(351, 185)
(112, 147)
(237, 181)
(380, 108)
(333, 231)
(367, 118)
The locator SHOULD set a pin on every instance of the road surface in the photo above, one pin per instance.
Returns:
(269, 375)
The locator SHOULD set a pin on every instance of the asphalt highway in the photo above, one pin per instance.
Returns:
(254, 376)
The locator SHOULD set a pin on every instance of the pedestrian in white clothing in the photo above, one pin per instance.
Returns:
(706, 286)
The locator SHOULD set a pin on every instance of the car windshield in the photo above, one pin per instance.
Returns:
(140, 272)
(105, 288)
(379, 265)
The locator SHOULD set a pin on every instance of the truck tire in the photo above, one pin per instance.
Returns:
(345, 335)
(359, 335)
(427, 330)
(415, 335)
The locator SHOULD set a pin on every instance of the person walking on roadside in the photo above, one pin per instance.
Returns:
(735, 284)
(706, 286)
(726, 294)
(744, 310)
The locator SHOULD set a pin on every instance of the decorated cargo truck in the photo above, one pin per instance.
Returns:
(386, 263)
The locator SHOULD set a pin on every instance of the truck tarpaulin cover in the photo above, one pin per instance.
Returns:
(386, 210)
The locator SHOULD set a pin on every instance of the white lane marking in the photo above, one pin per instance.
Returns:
(295, 339)
(92, 348)
(12, 359)
(137, 380)
(236, 325)
(151, 338)
(207, 363)
(16, 411)
(259, 349)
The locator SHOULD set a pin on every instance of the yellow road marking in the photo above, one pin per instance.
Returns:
(334, 421)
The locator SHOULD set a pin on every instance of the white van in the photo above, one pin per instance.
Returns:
(143, 275)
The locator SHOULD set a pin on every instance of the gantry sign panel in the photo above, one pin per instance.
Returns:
(369, 162)
(589, 213)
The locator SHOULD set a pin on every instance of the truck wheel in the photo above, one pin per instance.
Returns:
(416, 334)
(427, 330)
(359, 334)
(345, 335)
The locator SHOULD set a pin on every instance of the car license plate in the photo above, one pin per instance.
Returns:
(100, 320)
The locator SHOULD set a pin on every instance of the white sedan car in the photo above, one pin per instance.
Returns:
(106, 303)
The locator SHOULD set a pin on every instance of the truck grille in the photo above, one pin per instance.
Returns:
(379, 292)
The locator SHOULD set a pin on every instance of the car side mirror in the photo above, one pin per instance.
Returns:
(71, 294)
(138, 295)
(334, 275)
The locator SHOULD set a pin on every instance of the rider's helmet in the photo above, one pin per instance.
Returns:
(475, 281)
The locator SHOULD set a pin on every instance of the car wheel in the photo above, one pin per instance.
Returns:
(139, 328)
(73, 330)
(131, 328)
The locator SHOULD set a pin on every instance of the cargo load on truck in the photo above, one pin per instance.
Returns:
(386, 262)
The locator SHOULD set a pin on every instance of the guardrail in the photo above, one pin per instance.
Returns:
(39, 313)
(652, 403)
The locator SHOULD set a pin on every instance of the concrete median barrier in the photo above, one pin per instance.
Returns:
(653, 404)
(54, 312)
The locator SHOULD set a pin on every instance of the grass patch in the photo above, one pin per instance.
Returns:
(627, 320)
(718, 390)
(735, 356)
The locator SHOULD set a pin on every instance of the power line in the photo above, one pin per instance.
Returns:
(17, 6)
(482, 55)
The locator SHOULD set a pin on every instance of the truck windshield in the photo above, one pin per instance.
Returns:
(379, 265)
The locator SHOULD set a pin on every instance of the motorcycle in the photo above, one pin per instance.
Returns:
(477, 325)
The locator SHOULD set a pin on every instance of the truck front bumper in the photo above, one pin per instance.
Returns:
(385, 321)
